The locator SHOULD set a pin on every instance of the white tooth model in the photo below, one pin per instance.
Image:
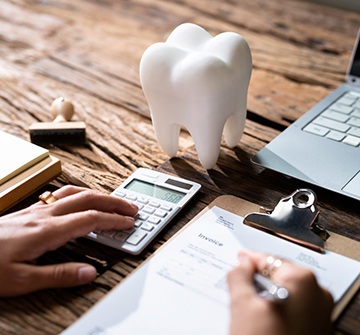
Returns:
(198, 82)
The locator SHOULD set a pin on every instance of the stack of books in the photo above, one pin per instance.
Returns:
(24, 168)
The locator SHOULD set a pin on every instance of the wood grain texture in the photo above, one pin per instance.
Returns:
(89, 52)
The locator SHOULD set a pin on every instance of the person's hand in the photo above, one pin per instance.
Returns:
(27, 234)
(306, 311)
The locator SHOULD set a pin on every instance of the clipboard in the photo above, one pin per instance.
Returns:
(133, 304)
(335, 242)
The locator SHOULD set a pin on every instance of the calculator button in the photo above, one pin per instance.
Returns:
(131, 197)
(108, 233)
(154, 204)
(138, 223)
(148, 210)
(160, 212)
(140, 206)
(142, 216)
(128, 231)
(166, 208)
(147, 226)
(154, 220)
(136, 237)
(120, 194)
(121, 236)
(143, 200)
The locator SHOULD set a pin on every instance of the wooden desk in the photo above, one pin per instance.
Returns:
(89, 52)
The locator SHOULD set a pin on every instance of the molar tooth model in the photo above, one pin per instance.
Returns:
(198, 82)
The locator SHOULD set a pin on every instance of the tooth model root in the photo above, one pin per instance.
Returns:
(234, 126)
(200, 83)
(207, 146)
(168, 137)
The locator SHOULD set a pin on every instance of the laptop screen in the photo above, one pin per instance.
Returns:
(355, 64)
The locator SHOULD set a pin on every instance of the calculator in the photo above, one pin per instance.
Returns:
(159, 197)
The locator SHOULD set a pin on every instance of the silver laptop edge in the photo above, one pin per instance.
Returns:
(313, 159)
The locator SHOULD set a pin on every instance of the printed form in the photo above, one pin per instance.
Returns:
(182, 289)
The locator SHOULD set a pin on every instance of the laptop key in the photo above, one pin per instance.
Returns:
(346, 100)
(356, 113)
(341, 108)
(335, 135)
(357, 104)
(354, 131)
(332, 124)
(353, 93)
(352, 140)
(315, 129)
(335, 115)
(354, 121)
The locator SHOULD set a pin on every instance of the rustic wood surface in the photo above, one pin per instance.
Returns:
(89, 52)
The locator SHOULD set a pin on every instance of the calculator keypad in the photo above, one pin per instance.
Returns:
(150, 216)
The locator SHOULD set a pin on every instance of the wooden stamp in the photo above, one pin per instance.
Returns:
(61, 130)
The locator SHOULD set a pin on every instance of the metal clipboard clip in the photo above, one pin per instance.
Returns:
(293, 218)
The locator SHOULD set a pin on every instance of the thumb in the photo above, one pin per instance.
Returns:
(35, 278)
(241, 280)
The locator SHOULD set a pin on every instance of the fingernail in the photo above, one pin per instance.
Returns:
(86, 274)
(133, 205)
(130, 219)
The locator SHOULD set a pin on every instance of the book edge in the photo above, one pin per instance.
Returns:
(26, 165)
(27, 182)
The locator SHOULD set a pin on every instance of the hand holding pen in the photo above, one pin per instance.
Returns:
(305, 307)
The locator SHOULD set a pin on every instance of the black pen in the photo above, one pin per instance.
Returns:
(269, 290)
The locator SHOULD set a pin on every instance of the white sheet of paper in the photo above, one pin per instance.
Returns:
(183, 289)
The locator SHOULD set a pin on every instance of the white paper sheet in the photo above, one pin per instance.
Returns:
(183, 289)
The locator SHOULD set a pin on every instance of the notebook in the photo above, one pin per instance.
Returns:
(323, 146)
(24, 168)
(16, 155)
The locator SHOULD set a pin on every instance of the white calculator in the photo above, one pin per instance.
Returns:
(159, 197)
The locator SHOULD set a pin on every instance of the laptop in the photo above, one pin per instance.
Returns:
(323, 146)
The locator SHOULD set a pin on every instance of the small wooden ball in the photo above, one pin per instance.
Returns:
(62, 110)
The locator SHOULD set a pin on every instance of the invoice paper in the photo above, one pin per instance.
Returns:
(182, 289)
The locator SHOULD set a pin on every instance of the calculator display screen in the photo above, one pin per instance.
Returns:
(155, 191)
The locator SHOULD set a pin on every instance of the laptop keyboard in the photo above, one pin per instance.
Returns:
(340, 121)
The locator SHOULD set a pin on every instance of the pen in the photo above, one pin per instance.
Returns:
(269, 290)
